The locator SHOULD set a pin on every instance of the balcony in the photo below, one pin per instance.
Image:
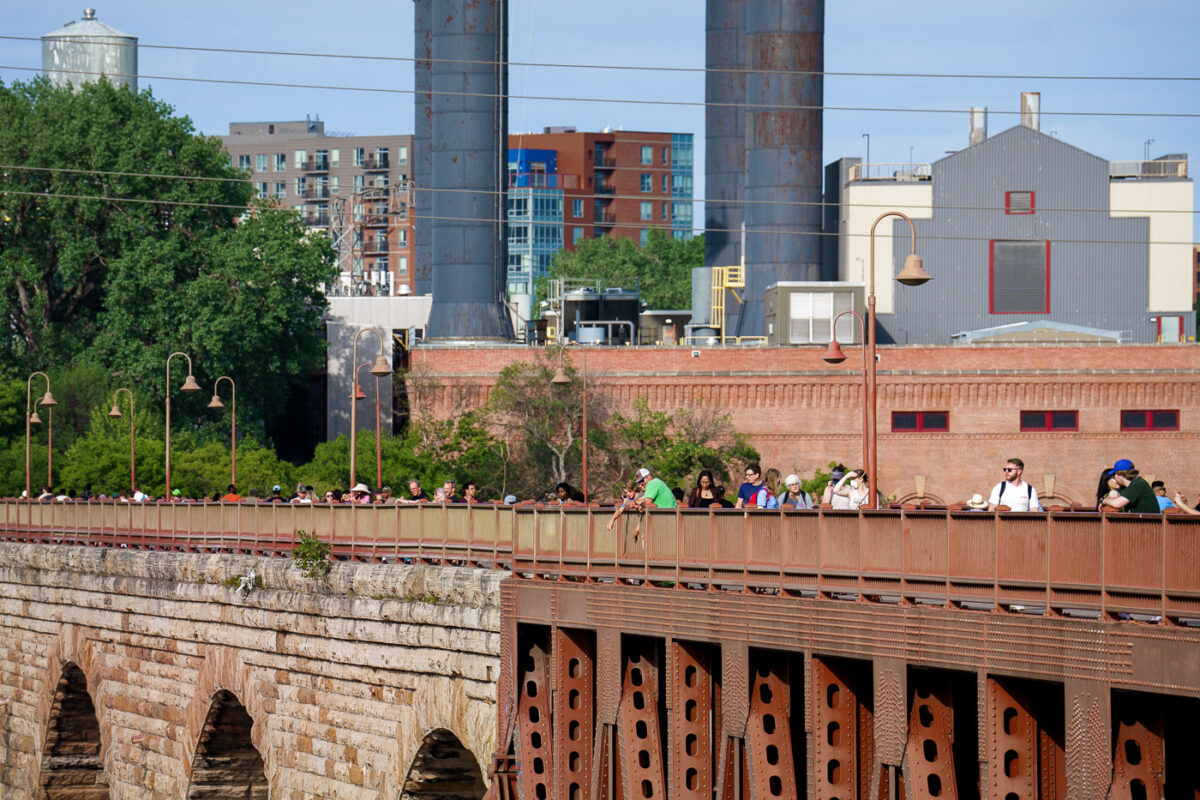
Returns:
(374, 164)
(316, 193)
(1159, 168)
(891, 172)
(604, 189)
(605, 218)
(375, 220)
(315, 164)
(542, 180)
(605, 161)
(317, 220)
(375, 247)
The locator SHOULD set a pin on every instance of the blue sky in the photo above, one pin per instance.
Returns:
(1042, 37)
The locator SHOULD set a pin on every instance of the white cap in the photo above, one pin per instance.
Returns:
(790, 479)
(641, 474)
(509, 499)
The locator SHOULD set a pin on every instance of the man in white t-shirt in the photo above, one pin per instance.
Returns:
(1012, 491)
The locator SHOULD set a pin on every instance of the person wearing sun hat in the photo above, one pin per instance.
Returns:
(360, 493)
(1133, 493)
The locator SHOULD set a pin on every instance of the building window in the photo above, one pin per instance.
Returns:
(1019, 277)
(576, 235)
(243, 162)
(647, 155)
(402, 211)
(666, 183)
(811, 314)
(577, 208)
(281, 162)
(1018, 202)
(919, 421)
(402, 237)
(1049, 420)
(402, 265)
(260, 189)
(281, 190)
(647, 211)
(645, 236)
(301, 185)
(1149, 420)
(402, 153)
(381, 157)
(358, 183)
(360, 156)
(647, 182)
(301, 158)
(261, 161)
(335, 157)
(666, 156)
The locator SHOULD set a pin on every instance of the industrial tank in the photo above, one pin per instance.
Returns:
(83, 50)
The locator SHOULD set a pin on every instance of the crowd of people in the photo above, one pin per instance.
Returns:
(1120, 487)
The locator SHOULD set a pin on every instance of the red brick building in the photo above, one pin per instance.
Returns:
(948, 417)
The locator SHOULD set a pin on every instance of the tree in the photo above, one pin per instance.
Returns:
(663, 267)
(108, 256)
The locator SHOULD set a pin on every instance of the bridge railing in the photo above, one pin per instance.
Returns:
(1110, 564)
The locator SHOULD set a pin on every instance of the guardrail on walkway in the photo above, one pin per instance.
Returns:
(1112, 565)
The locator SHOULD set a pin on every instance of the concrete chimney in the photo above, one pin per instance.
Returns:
(978, 124)
(1031, 109)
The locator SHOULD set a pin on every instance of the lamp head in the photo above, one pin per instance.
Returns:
(381, 367)
(189, 384)
(215, 402)
(359, 394)
(35, 419)
(914, 273)
(115, 413)
(48, 399)
(560, 377)
(833, 353)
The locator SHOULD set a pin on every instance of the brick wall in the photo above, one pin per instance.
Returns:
(801, 413)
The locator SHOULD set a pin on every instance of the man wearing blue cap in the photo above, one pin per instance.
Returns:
(1135, 495)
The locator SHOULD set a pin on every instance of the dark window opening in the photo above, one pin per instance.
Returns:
(917, 421)
(1149, 420)
(1049, 420)
(1019, 277)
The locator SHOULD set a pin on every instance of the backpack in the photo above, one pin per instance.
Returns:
(762, 498)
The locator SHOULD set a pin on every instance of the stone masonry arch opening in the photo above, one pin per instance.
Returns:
(443, 769)
(227, 765)
(71, 765)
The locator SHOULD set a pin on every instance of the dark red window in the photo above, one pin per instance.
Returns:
(917, 421)
(1019, 202)
(1049, 420)
(1149, 420)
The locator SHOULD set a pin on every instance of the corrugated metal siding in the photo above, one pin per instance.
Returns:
(1099, 266)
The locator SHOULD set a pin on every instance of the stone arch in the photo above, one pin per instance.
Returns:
(929, 497)
(72, 767)
(226, 764)
(441, 704)
(443, 769)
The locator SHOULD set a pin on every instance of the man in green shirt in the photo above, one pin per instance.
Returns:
(1135, 495)
(656, 492)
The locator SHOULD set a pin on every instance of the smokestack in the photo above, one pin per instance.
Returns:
(783, 149)
(724, 131)
(1031, 109)
(978, 124)
(470, 121)
(422, 175)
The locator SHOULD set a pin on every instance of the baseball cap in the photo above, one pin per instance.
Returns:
(641, 475)
(509, 499)
(276, 488)
(176, 492)
(1122, 464)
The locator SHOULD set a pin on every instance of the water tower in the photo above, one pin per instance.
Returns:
(83, 50)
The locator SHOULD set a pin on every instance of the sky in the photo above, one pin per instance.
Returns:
(1031, 38)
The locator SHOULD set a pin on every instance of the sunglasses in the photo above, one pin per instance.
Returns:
(1011, 469)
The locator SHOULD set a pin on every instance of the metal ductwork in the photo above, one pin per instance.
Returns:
(1031, 110)
(469, 123)
(978, 125)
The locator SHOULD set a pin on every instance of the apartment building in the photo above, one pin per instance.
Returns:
(355, 188)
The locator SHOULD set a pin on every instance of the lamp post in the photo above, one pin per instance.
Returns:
(913, 274)
(115, 413)
(560, 379)
(31, 417)
(216, 403)
(380, 369)
(50, 445)
(834, 355)
(189, 385)
(360, 395)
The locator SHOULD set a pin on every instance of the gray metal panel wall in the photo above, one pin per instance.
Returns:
(1099, 266)
(783, 149)
(724, 131)
(469, 121)
(836, 175)
(422, 147)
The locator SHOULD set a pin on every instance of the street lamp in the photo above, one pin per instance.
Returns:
(560, 379)
(189, 385)
(216, 403)
(380, 369)
(115, 413)
(913, 274)
(834, 355)
(49, 402)
(360, 395)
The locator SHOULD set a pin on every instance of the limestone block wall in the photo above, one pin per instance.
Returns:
(344, 678)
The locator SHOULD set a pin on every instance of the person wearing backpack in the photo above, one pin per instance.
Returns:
(1013, 491)
(754, 492)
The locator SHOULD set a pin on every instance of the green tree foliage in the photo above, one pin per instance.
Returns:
(663, 266)
(105, 260)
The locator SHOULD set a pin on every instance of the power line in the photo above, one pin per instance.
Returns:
(493, 220)
(624, 67)
(616, 100)
(640, 197)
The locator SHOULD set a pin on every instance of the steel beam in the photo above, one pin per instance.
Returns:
(639, 733)
(769, 730)
(690, 721)
(1139, 757)
(929, 749)
(836, 732)
(535, 745)
(574, 712)
(1012, 744)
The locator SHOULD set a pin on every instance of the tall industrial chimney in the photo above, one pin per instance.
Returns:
(978, 125)
(783, 149)
(1031, 110)
(469, 133)
(422, 174)
(724, 131)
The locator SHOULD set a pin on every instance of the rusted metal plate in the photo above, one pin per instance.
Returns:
(534, 739)
(1139, 756)
(690, 721)
(639, 734)
(1012, 743)
(769, 730)
(929, 751)
(574, 712)
(835, 733)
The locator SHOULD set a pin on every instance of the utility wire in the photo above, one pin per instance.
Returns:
(492, 220)
(641, 197)
(626, 101)
(625, 67)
